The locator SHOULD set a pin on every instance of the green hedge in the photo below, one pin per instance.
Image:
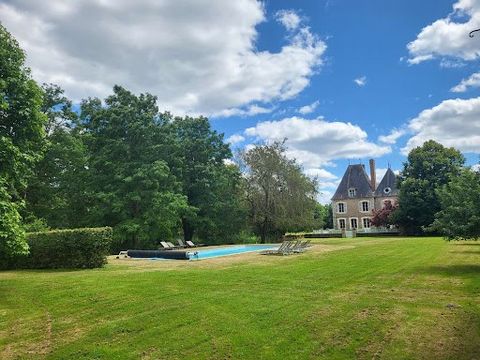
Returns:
(72, 248)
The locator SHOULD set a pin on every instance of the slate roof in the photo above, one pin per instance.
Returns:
(354, 177)
(389, 180)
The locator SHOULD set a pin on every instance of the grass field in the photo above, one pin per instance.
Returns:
(415, 298)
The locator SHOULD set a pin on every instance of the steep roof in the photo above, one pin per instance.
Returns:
(354, 177)
(389, 181)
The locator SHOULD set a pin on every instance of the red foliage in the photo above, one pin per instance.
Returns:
(382, 217)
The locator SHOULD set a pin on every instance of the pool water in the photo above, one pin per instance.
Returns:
(231, 250)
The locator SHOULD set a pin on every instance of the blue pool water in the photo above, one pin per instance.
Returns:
(231, 250)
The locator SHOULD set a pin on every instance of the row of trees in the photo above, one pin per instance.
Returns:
(122, 163)
(438, 195)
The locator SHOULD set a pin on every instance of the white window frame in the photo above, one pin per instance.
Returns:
(354, 190)
(344, 208)
(363, 222)
(360, 206)
(338, 222)
(350, 223)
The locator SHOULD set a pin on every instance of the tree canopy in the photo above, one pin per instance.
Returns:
(132, 186)
(459, 217)
(281, 198)
(21, 140)
(427, 168)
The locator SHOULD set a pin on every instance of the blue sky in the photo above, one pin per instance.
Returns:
(344, 81)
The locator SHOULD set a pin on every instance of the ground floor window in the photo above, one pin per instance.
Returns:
(341, 223)
(366, 223)
(353, 223)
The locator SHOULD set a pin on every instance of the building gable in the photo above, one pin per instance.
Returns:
(356, 178)
(388, 185)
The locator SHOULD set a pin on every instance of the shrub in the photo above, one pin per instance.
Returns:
(71, 248)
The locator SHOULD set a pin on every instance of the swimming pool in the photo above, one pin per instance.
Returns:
(225, 251)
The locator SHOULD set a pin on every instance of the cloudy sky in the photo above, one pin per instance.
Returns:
(342, 80)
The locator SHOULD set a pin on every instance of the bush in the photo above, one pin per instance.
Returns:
(72, 248)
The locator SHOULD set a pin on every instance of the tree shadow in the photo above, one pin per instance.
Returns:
(452, 270)
(466, 252)
(469, 244)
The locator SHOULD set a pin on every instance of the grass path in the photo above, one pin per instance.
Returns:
(375, 298)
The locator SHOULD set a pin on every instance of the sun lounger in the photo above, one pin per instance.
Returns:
(166, 246)
(172, 246)
(283, 249)
(181, 243)
(301, 247)
(288, 247)
(191, 244)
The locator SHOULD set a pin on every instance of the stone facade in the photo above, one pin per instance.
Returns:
(357, 195)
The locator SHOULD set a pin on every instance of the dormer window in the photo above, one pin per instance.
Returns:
(352, 192)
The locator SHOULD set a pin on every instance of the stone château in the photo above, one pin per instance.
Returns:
(357, 195)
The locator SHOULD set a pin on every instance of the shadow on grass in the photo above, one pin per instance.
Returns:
(469, 252)
(469, 244)
(457, 270)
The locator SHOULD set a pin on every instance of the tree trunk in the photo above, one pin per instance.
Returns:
(263, 234)
(188, 230)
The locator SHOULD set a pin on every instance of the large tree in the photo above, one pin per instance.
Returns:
(459, 217)
(427, 168)
(58, 193)
(133, 187)
(207, 182)
(281, 198)
(21, 140)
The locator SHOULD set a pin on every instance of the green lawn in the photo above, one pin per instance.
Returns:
(374, 298)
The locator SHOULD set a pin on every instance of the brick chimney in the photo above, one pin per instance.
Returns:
(373, 175)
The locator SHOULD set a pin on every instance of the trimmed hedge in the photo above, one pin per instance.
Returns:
(72, 248)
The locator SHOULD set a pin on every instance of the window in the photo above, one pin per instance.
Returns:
(341, 223)
(353, 223)
(341, 208)
(387, 190)
(366, 223)
(352, 192)
(365, 206)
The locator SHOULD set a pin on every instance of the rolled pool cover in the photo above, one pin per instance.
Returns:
(162, 254)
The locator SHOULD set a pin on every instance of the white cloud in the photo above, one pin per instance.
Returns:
(316, 143)
(452, 63)
(197, 56)
(307, 109)
(289, 19)
(325, 197)
(392, 138)
(476, 167)
(235, 139)
(472, 81)
(361, 81)
(448, 37)
(453, 122)
(321, 174)
(249, 111)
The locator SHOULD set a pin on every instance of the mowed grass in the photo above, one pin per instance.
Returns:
(411, 298)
